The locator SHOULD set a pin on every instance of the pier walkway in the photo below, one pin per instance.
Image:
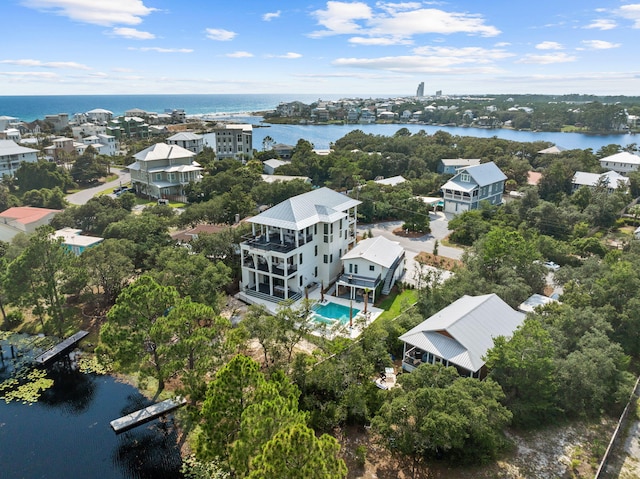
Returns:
(61, 348)
(143, 416)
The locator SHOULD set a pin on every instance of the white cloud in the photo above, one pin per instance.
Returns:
(239, 55)
(379, 41)
(549, 46)
(163, 50)
(600, 44)
(631, 12)
(502, 44)
(464, 55)
(121, 70)
(395, 21)
(289, 56)
(339, 18)
(45, 75)
(267, 17)
(548, 59)
(38, 63)
(220, 34)
(132, 33)
(602, 24)
(98, 12)
(415, 64)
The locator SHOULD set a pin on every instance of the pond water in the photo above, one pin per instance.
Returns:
(66, 434)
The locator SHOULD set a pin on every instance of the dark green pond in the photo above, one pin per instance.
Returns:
(66, 434)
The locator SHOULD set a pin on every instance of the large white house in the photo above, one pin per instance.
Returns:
(460, 334)
(622, 162)
(471, 185)
(610, 180)
(163, 171)
(103, 144)
(234, 141)
(296, 244)
(373, 266)
(188, 141)
(12, 154)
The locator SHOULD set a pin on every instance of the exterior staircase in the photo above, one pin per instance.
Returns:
(389, 279)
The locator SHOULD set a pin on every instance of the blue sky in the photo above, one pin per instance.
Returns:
(360, 48)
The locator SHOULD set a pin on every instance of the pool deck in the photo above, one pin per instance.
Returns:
(360, 321)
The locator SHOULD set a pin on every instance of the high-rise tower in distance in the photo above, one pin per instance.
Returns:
(420, 91)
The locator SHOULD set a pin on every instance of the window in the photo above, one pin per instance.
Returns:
(372, 267)
(158, 176)
(315, 250)
(465, 177)
(326, 259)
(300, 280)
(350, 268)
(315, 271)
(300, 259)
(355, 269)
(330, 258)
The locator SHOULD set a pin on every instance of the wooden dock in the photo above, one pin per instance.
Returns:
(61, 348)
(143, 416)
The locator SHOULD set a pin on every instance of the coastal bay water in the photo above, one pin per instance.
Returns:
(29, 108)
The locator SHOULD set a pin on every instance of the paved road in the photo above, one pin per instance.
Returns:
(413, 246)
(81, 197)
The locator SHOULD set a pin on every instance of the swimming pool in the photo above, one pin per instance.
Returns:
(332, 312)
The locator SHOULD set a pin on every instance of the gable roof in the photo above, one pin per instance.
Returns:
(26, 214)
(460, 161)
(463, 332)
(393, 181)
(378, 250)
(321, 205)
(10, 147)
(611, 179)
(185, 136)
(485, 174)
(162, 151)
(622, 157)
(552, 150)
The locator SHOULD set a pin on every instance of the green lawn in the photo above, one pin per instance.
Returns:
(395, 303)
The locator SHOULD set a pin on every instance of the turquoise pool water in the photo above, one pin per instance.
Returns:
(331, 312)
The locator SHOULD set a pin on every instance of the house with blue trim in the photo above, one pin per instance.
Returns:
(471, 185)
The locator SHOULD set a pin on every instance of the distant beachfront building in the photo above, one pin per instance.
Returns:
(59, 121)
(420, 90)
(234, 141)
(188, 141)
(99, 116)
(12, 154)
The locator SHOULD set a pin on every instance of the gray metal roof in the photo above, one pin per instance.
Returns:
(460, 161)
(318, 206)
(611, 179)
(463, 332)
(484, 174)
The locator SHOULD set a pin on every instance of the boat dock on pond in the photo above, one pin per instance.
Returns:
(143, 416)
(61, 348)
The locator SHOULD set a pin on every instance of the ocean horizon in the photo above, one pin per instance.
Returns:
(34, 107)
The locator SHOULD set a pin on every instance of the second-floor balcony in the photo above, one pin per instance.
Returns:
(265, 243)
(360, 281)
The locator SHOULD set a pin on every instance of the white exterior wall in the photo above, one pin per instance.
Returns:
(619, 167)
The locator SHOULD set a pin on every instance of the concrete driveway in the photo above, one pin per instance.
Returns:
(81, 197)
(413, 246)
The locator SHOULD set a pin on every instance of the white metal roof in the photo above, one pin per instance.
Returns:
(318, 206)
(10, 147)
(393, 181)
(460, 161)
(162, 151)
(463, 332)
(185, 136)
(378, 250)
(622, 157)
